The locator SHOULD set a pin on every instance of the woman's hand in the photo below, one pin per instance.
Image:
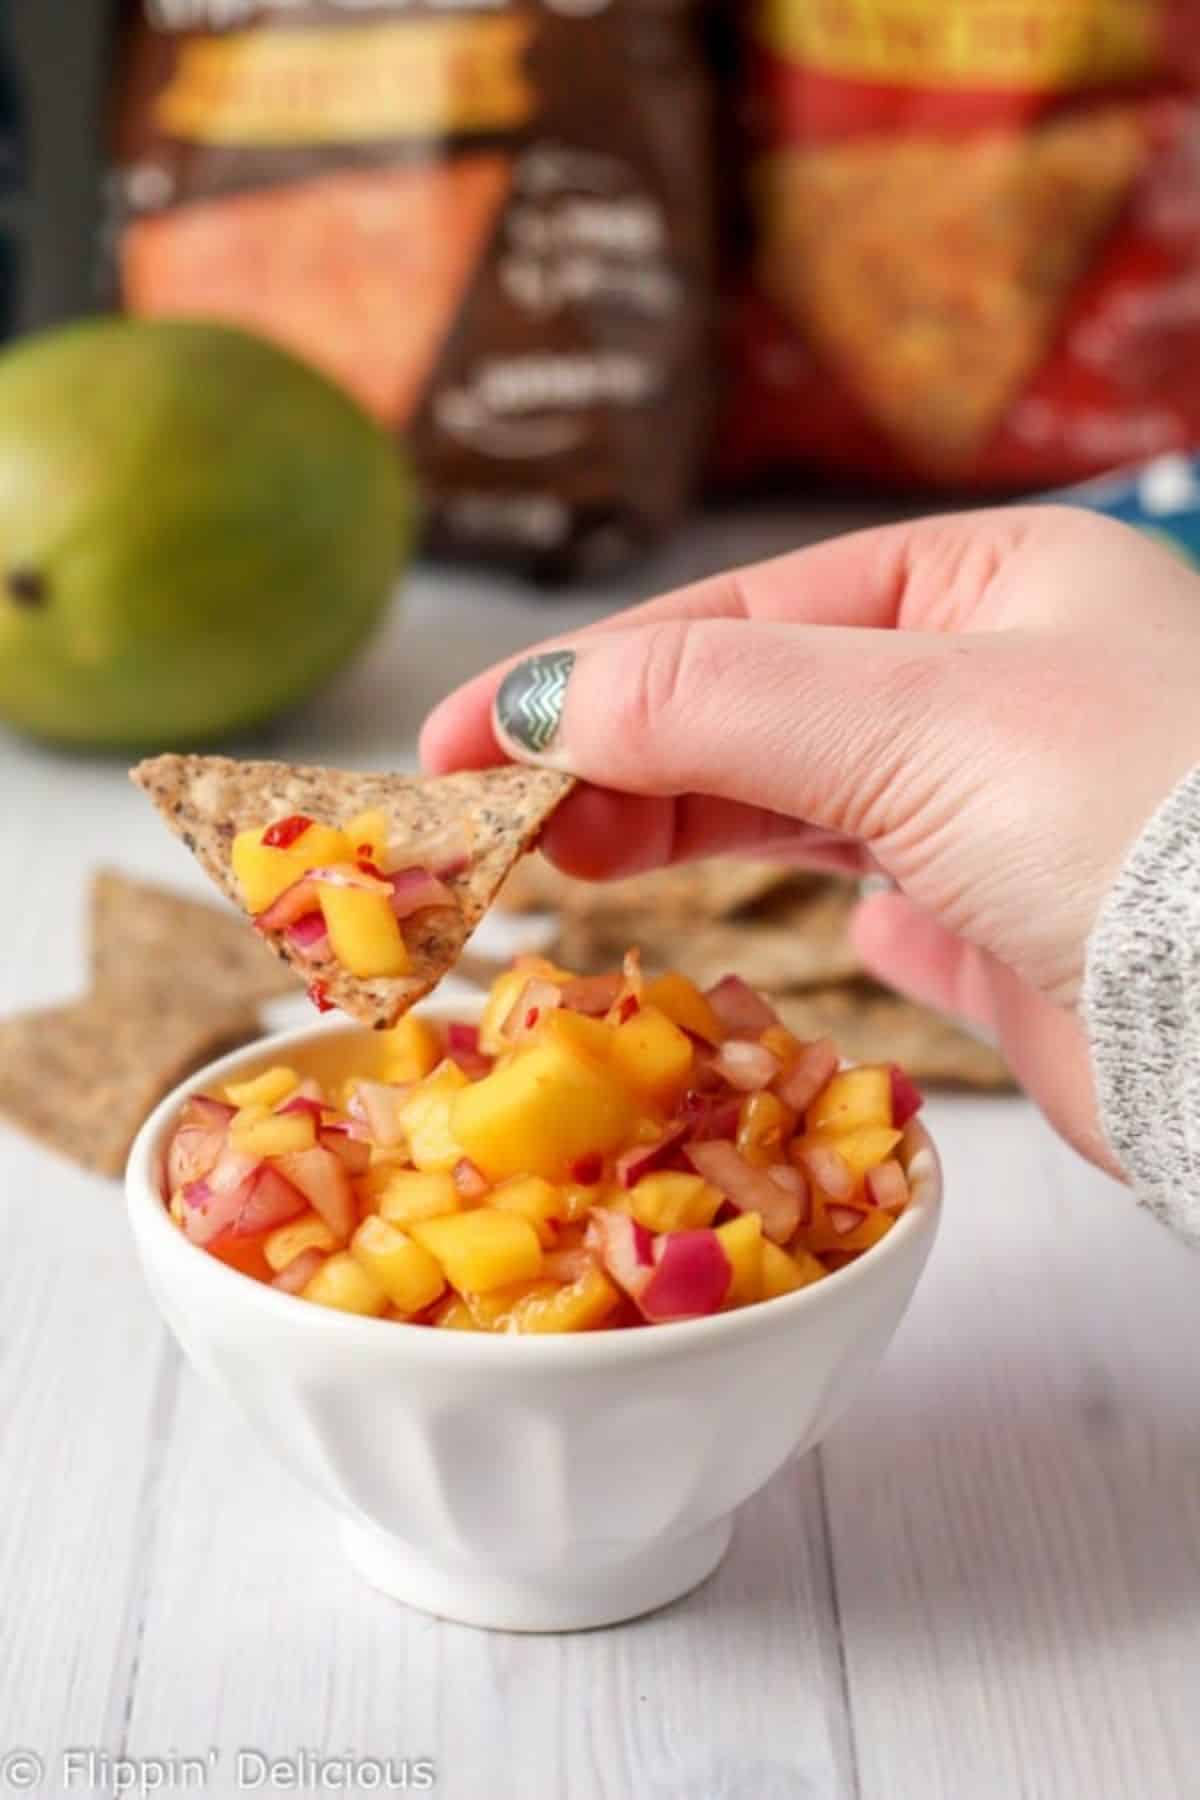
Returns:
(987, 707)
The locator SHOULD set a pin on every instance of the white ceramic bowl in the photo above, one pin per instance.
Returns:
(526, 1483)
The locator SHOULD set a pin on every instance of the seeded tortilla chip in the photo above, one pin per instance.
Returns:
(207, 800)
(872, 1025)
(360, 271)
(690, 891)
(808, 947)
(82, 1078)
(149, 938)
(933, 273)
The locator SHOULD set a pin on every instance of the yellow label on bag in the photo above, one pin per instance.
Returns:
(417, 78)
(1034, 44)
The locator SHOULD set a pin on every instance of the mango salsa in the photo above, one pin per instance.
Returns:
(599, 1153)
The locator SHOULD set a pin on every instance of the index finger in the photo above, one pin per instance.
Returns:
(886, 577)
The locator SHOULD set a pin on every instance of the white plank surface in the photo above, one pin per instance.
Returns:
(986, 1585)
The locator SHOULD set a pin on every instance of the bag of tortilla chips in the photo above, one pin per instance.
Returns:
(973, 255)
(489, 219)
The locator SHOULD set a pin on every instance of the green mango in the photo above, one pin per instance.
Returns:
(196, 530)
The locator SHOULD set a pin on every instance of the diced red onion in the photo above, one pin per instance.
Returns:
(201, 1109)
(828, 1170)
(353, 1151)
(537, 997)
(739, 1009)
(887, 1187)
(844, 1219)
(624, 1246)
(711, 1115)
(807, 1073)
(270, 1200)
(782, 1206)
(299, 1271)
(350, 875)
(300, 1103)
(642, 1159)
(381, 1102)
(233, 1167)
(309, 936)
(591, 994)
(416, 890)
(746, 1066)
(470, 1181)
(299, 901)
(907, 1098)
(192, 1152)
(324, 1181)
(214, 1202)
(460, 1036)
(691, 1276)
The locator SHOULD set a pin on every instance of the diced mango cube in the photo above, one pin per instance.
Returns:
(310, 1232)
(581, 1306)
(346, 1286)
(505, 992)
(781, 1274)
(267, 1089)
(454, 1315)
(820, 1236)
(860, 1150)
(411, 1049)
(674, 1201)
(810, 1267)
(853, 1100)
(408, 1274)
(259, 1133)
(426, 1116)
(493, 1310)
(364, 933)
(576, 1032)
(742, 1242)
(263, 872)
(764, 1124)
(534, 1199)
(652, 1056)
(684, 1004)
(367, 834)
(482, 1249)
(541, 1114)
(406, 1195)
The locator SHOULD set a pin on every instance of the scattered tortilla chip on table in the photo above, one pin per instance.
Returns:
(144, 936)
(872, 1024)
(81, 1078)
(496, 814)
(711, 889)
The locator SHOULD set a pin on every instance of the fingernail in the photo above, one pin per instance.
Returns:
(529, 705)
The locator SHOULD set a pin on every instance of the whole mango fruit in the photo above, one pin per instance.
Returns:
(196, 529)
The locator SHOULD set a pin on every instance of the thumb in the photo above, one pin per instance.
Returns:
(819, 723)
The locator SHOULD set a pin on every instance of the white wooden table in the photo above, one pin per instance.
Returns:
(986, 1583)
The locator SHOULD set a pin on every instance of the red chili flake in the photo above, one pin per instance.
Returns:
(369, 868)
(587, 1170)
(531, 1018)
(629, 1005)
(318, 993)
(285, 831)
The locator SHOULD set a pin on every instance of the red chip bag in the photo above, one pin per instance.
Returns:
(975, 258)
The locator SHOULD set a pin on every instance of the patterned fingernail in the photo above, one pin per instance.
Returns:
(530, 701)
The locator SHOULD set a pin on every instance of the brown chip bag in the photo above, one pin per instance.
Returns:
(496, 814)
(491, 221)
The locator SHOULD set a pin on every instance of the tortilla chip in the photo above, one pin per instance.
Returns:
(870, 1024)
(207, 800)
(807, 947)
(82, 1078)
(150, 938)
(360, 271)
(933, 273)
(705, 890)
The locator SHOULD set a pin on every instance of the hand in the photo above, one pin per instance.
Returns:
(986, 706)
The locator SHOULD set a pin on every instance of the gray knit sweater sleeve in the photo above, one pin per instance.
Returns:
(1141, 1005)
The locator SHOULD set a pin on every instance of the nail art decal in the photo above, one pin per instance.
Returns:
(530, 701)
